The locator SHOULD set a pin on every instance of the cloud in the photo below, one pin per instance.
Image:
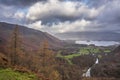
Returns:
(58, 16)
(12, 14)
(72, 16)
(109, 18)
(19, 15)
(67, 26)
(36, 25)
(5, 11)
(20, 3)
(6, 14)
(111, 12)
(63, 11)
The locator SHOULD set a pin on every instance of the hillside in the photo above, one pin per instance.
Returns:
(9, 74)
(109, 65)
(31, 38)
(69, 64)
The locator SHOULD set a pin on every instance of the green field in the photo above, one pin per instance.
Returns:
(89, 50)
(9, 74)
(107, 50)
(82, 51)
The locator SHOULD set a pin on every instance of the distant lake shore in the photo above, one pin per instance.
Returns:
(98, 43)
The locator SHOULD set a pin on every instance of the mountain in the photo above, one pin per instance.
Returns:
(103, 35)
(31, 38)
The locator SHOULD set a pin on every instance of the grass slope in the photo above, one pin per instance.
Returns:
(9, 74)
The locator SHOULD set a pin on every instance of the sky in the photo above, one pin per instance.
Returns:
(61, 16)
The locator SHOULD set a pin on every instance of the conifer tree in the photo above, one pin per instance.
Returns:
(15, 47)
(47, 62)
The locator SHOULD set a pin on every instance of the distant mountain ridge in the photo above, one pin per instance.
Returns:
(31, 38)
(88, 35)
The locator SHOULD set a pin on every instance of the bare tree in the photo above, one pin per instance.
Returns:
(15, 47)
(47, 62)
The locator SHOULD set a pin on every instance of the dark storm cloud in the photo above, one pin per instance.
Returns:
(61, 18)
(19, 2)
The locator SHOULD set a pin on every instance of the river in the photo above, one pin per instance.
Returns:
(87, 73)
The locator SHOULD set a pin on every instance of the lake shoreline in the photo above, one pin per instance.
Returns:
(98, 43)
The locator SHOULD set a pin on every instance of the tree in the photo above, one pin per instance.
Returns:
(15, 47)
(47, 62)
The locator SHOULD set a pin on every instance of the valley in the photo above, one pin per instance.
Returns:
(36, 55)
(59, 39)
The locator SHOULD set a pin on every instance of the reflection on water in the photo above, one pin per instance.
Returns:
(98, 43)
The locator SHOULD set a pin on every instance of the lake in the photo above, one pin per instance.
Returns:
(98, 43)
